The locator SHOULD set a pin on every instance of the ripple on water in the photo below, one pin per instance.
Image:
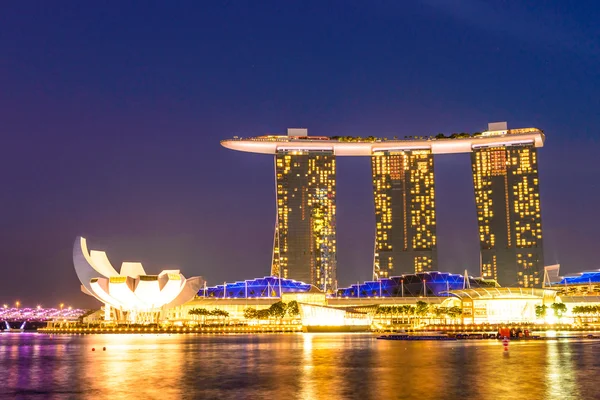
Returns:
(304, 366)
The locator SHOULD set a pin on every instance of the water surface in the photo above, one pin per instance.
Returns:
(292, 366)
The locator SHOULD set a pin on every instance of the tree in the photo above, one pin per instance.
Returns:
(199, 311)
(293, 309)
(559, 309)
(540, 311)
(263, 314)
(440, 136)
(439, 312)
(277, 310)
(408, 310)
(250, 313)
(219, 313)
(421, 308)
(455, 312)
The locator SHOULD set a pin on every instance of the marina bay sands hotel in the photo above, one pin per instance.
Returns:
(506, 185)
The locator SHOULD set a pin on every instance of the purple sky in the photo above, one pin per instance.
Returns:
(111, 117)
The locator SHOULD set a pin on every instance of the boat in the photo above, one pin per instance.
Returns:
(424, 336)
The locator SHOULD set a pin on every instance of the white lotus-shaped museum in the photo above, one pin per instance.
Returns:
(131, 290)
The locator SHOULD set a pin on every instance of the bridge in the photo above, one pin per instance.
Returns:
(39, 314)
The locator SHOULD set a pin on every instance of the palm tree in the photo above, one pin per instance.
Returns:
(559, 309)
(439, 312)
(219, 313)
(421, 308)
(540, 311)
(455, 312)
(199, 311)
(407, 311)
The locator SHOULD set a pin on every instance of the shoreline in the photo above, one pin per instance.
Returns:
(178, 330)
(286, 329)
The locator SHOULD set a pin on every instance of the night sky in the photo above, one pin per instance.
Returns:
(110, 119)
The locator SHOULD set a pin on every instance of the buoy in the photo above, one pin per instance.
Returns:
(93, 349)
(505, 343)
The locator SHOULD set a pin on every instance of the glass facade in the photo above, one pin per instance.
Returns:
(305, 243)
(269, 287)
(414, 285)
(506, 184)
(586, 277)
(404, 194)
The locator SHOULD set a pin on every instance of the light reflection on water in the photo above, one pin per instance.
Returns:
(303, 366)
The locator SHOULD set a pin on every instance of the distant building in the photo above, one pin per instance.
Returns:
(404, 194)
(305, 240)
(506, 183)
(474, 300)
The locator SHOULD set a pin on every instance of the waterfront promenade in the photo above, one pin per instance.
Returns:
(279, 328)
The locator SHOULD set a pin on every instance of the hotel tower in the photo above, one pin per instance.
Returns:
(505, 178)
(404, 194)
(305, 246)
(506, 185)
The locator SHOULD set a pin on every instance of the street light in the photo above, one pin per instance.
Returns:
(17, 303)
(61, 306)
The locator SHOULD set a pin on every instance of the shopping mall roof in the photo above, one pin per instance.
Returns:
(431, 283)
(269, 286)
(503, 293)
(581, 278)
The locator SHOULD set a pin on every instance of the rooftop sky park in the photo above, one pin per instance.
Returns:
(297, 139)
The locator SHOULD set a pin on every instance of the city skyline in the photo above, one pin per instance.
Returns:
(114, 134)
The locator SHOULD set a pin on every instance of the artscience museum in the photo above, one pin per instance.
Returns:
(130, 295)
